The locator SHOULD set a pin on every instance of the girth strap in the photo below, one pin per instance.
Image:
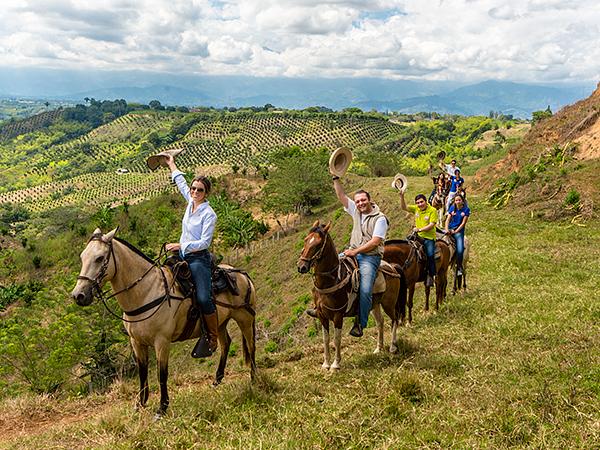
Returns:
(147, 307)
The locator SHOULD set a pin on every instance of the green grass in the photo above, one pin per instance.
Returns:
(513, 363)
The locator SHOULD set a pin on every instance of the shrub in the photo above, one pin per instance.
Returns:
(572, 199)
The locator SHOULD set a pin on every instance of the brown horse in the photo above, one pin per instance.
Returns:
(438, 200)
(155, 311)
(332, 286)
(405, 254)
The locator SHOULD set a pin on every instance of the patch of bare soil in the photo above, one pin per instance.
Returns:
(589, 142)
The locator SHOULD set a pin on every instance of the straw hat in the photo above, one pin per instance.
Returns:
(400, 182)
(339, 161)
(159, 159)
(441, 155)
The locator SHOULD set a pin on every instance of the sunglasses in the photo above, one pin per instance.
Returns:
(199, 189)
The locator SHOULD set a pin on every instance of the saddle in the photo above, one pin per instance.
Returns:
(417, 243)
(379, 286)
(222, 278)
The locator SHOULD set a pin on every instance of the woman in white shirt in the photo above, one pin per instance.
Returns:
(197, 229)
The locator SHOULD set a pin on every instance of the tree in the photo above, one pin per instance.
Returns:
(299, 181)
(155, 104)
(537, 116)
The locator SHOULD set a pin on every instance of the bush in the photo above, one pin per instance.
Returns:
(572, 199)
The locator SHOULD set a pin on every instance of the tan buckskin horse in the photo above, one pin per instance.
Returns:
(154, 310)
(332, 285)
(404, 253)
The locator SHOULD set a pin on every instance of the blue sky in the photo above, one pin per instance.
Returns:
(460, 40)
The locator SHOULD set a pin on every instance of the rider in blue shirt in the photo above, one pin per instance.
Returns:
(456, 182)
(456, 221)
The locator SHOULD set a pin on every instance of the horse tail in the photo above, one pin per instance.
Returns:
(248, 357)
(402, 295)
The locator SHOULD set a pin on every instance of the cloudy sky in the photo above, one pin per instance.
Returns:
(466, 40)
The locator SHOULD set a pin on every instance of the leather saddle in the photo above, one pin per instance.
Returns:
(223, 279)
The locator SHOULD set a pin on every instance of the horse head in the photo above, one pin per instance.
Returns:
(95, 267)
(314, 243)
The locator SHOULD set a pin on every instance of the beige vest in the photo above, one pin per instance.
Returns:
(363, 232)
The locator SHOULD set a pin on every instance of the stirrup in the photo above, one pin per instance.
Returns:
(201, 349)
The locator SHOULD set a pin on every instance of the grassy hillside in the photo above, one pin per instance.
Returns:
(514, 363)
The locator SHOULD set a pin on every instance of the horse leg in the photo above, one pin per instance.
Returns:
(224, 344)
(162, 359)
(338, 322)
(379, 319)
(456, 283)
(427, 290)
(411, 294)
(337, 343)
(141, 358)
(249, 344)
(326, 355)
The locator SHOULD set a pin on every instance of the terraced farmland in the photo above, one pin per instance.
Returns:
(218, 140)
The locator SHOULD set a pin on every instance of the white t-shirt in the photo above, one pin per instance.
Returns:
(450, 170)
(381, 225)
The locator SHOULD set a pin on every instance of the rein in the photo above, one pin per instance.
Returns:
(101, 295)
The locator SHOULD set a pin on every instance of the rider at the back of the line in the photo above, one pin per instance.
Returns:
(425, 221)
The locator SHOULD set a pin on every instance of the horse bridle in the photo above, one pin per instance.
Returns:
(318, 254)
(101, 295)
(102, 272)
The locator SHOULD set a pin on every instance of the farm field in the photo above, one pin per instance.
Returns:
(513, 363)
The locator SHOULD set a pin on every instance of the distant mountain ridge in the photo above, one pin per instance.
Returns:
(446, 97)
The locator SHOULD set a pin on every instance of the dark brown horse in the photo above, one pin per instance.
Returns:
(154, 309)
(332, 286)
(404, 253)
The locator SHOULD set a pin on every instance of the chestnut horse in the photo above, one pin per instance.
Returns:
(404, 253)
(332, 285)
(155, 310)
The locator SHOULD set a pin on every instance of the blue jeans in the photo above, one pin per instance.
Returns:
(460, 247)
(199, 263)
(430, 250)
(367, 265)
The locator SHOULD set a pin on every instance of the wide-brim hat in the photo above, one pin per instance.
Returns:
(441, 155)
(400, 182)
(154, 161)
(339, 161)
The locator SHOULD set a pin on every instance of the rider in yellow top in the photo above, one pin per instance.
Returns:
(425, 220)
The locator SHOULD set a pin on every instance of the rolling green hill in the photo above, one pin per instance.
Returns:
(65, 160)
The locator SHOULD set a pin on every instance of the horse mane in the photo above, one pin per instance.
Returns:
(395, 241)
(132, 248)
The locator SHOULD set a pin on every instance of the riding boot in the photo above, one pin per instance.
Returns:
(207, 344)
(356, 330)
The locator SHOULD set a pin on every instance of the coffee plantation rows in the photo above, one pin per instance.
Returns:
(96, 189)
(11, 129)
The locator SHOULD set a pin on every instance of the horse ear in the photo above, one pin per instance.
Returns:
(108, 236)
(327, 227)
(316, 224)
(97, 231)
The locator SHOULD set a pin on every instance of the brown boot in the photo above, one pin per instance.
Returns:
(212, 329)
(207, 344)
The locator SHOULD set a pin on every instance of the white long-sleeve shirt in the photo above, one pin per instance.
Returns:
(197, 228)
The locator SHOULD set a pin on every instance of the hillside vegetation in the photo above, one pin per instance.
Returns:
(513, 363)
(71, 156)
(554, 170)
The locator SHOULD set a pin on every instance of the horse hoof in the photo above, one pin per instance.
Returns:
(334, 368)
(377, 350)
(393, 349)
(158, 416)
(325, 366)
(215, 383)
